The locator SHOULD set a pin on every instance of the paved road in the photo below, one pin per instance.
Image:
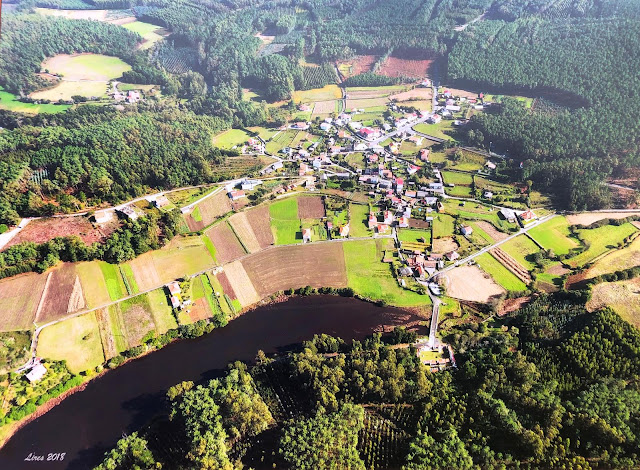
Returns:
(435, 319)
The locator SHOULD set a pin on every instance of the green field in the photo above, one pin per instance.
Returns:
(210, 248)
(601, 240)
(468, 162)
(141, 27)
(521, 248)
(443, 225)
(454, 177)
(459, 191)
(10, 102)
(499, 273)
(554, 235)
(414, 235)
(373, 279)
(280, 141)
(76, 340)
(436, 130)
(219, 293)
(113, 279)
(161, 310)
(359, 215)
(284, 221)
(88, 67)
(129, 280)
(94, 285)
(231, 138)
(329, 92)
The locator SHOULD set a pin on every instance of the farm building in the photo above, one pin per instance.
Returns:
(435, 118)
(344, 230)
(526, 216)
(325, 126)
(161, 201)
(383, 228)
(488, 195)
(129, 212)
(403, 222)
(133, 97)
(306, 235)
(508, 214)
(466, 230)
(175, 301)
(249, 185)
(301, 126)
(424, 155)
(452, 255)
(490, 165)
(174, 288)
(373, 221)
(103, 217)
(37, 372)
(236, 194)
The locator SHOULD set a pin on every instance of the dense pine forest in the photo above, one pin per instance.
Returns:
(551, 387)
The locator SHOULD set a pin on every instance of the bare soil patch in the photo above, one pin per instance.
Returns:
(493, 232)
(19, 299)
(511, 305)
(228, 247)
(210, 209)
(463, 93)
(223, 279)
(76, 301)
(444, 245)
(311, 207)
(623, 297)
(359, 64)
(292, 267)
(472, 284)
(145, 272)
(576, 281)
(43, 230)
(414, 94)
(395, 67)
(558, 270)
(587, 218)
(200, 310)
(260, 222)
(243, 230)
(58, 295)
(366, 94)
(324, 107)
(416, 223)
(242, 285)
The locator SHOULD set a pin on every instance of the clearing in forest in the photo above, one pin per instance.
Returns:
(396, 67)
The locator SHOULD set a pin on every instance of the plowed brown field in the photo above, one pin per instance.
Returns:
(311, 207)
(395, 67)
(260, 222)
(278, 269)
(61, 286)
(228, 247)
(19, 298)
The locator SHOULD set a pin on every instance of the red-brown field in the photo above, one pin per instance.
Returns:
(414, 94)
(43, 230)
(260, 222)
(58, 294)
(311, 207)
(210, 209)
(228, 247)
(200, 310)
(357, 65)
(395, 67)
(278, 269)
(19, 298)
(226, 285)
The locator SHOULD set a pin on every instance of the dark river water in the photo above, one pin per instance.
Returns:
(86, 424)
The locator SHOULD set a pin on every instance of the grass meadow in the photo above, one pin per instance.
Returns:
(499, 273)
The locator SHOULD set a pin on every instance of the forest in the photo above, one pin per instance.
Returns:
(550, 387)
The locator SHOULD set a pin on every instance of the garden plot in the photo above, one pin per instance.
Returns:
(322, 108)
(285, 222)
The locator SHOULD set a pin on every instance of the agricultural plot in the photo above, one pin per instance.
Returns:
(453, 177)
(231, 138)
(358, 217)
(293, 267)
(415, 239)
(600, 240)
(487, 232)
(499, 273)
(368, 103)
(621, 296)
(76, 340)
(413, 94)
(521, 249)
(311, 207)
(228, 247)
(472, 284)
(201, 300)
(93, 284)
(468, 161)
(436, 130)
(162, 314)
(554, 235)
(373, 279)
(63, 295)
(511, 264)
(243, 287)
(83, 74)
(182, 256)
(587, 218)
(280, 141)
(208, 211)
(43, 230)
(328, 93)
(396, 67)
(237, 167)
(243, 230)
(260, 221)
(19, 300)
(443, 226)
(478, 212)
(219, 293)
(285, 222)
(138, 319)
(324, 108)
(10, 102)
(113, 280)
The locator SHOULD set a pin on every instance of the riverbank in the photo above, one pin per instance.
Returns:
(275, 324)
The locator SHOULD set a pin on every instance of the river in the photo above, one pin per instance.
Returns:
(89, 422)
